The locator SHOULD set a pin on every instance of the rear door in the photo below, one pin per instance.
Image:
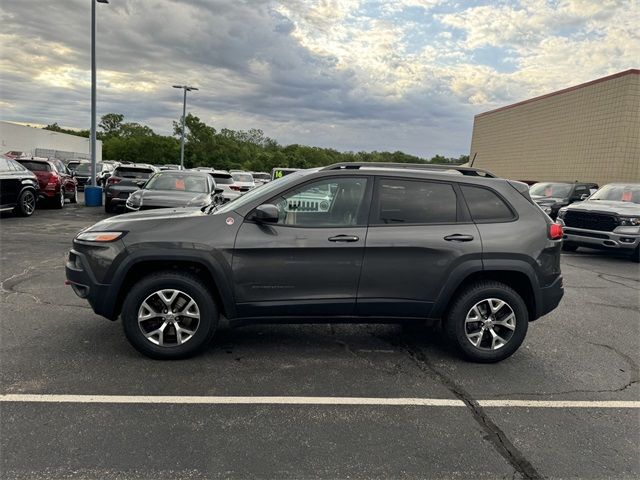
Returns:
(419, 232)
(309, 262)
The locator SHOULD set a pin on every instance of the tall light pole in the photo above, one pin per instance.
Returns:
(93, 93)
(186, 89)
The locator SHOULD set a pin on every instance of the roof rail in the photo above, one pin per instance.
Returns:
(474, 172)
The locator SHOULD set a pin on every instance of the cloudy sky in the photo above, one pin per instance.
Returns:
(352, 74)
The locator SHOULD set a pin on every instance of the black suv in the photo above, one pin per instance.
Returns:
(552, 196)
(349, 242)
(125, 180)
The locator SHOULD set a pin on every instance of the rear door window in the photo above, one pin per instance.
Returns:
(403, 201)
(485, 205)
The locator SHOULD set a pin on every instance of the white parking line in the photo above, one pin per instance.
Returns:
(260, 400)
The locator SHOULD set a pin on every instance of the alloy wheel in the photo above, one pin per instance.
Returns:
(168, 317)
(490, 324)
(28, 203)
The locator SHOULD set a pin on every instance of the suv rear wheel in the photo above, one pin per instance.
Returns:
(169, 315)
(487, 322)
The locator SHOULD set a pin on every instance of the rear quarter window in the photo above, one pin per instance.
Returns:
(485, 205)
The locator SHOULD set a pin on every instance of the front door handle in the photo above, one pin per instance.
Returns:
(344, 238)
(457, 237)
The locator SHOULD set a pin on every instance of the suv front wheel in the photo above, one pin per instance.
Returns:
(169, 315)
(487, 322)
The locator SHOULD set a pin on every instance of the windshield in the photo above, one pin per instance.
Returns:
(618, 193)
(222, 179)
(129, 172)
(85, 168)
(178, 183)
(242, 177)
(556, 190)
(264, 190)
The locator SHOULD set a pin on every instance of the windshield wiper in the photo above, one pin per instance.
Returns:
(209, 208)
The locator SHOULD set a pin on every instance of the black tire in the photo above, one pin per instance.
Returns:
(26, 203)
(456, 328)
(188, 284)
(569, 247)
(58, 200)
(107, 206)
(635, 256)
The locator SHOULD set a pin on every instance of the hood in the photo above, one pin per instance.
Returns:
(607, 206)
(145, 219)
(166, 198)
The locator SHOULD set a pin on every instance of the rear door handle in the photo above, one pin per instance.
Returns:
(344, 238)
(457, 237)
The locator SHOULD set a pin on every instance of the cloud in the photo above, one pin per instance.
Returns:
(351, 74)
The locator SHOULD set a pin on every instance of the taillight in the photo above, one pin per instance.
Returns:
(234, 187)
(112, 180)
(53, 179)
(555, 231)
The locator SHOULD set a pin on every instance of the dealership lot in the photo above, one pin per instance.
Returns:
(52, 343)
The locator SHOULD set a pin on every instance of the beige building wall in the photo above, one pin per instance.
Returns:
(590, 132)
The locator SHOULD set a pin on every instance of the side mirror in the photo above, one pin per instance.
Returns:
(266, 213)
(584, 196)
(217, 191)
(140, 183)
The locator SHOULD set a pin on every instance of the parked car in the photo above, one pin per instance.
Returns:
(243, 181)
(173, 188)
(224, 181)
(552, 196)
(19, 188)
(73, 164)
(125, 180)
(55, 180)
(396, 243)
(82, 173)
(609, 219)
(260, 178)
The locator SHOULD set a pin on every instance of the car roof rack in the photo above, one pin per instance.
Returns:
(474, 172)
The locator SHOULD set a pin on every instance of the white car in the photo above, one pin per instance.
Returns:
(243, 180)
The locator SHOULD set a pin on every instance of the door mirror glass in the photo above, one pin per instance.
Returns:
(266, 213)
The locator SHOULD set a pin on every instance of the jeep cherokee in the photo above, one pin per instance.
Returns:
(345, 243)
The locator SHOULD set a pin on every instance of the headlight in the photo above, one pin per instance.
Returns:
(99, 236)
(630, 221)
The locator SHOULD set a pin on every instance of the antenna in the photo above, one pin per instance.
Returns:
(473, 159)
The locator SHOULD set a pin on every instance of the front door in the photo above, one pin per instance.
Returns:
(419, 232)
(308, 263)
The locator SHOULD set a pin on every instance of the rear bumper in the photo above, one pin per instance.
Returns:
(550, 296)
(599, 239)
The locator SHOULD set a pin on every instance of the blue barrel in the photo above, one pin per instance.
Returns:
(93, 196)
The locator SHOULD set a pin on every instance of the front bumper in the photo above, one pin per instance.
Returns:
(85, 285)
(617, 239)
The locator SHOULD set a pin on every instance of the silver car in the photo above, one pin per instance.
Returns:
(609, 219)
(244, 181)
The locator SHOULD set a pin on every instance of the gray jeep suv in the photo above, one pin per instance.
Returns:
(346, 243)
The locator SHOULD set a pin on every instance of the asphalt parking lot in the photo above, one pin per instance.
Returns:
(467, 425)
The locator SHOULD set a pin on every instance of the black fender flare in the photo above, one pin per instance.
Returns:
(463, 271)
(216, 267)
